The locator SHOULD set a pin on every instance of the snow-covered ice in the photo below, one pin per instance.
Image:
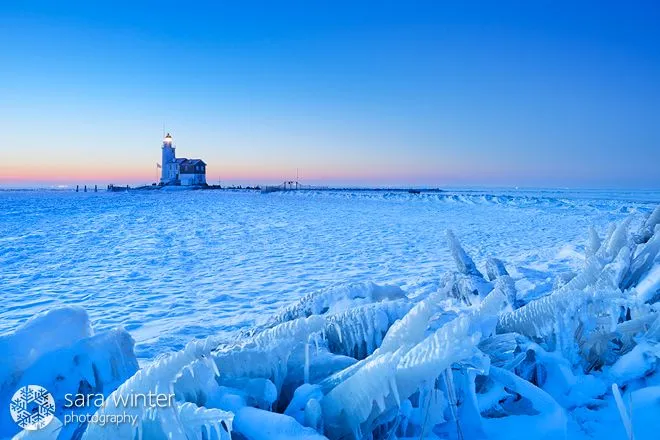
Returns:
(347, 314)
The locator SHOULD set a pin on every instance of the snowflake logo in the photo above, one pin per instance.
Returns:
(32, 407)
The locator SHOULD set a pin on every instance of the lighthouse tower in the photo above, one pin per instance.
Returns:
(168, 174)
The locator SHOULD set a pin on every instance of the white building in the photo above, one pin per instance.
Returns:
(180, 171)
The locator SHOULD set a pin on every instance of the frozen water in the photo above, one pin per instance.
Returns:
(561, 341)
(173, 266)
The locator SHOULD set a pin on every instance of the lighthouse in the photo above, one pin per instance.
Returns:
(180, 171)
(168, 170)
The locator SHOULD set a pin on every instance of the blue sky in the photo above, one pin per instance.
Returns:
(369, 93)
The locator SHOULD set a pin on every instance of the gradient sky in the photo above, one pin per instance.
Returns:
(529, 93)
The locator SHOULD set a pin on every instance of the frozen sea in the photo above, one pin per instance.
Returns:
(170, 266)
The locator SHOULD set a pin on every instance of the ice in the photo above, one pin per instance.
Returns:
(495, 268)
(336, 300)
(649, 287)
(645, 407)
(314, 415)
(158, 377)
(215, 423)
(643, 261)
(349, 405)
(58, 351)
(262, 393)
(468, 289)
(507, 286)
(445, 355)
(359, 331)
(266, 354)
(625, 417)
(255, 424)
(503, 350)
(646, 229)
(613, 273)
(549, 423)
(230, 259)
(412, 328)
(393, 366)
(464, 263)
(424, 362)
(641, 361)
(322, 364)
(593, 244)
(298, 406)
(46, 332)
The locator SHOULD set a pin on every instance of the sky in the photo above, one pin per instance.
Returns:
(423, 93)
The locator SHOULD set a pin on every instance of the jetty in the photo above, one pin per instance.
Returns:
(287, 185)
(96, 188)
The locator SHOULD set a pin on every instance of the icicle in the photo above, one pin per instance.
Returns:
(306, 363)
(209, 361)
(448, 378)
(395, 391)
(335, 324)
(625, 418)
(359, 331)
(318, 303)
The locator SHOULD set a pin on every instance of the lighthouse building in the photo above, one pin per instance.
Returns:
(179, 170)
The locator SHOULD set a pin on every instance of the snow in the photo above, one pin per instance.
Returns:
(644, 407)
(201, 263)
(345, 314)
(261, 425)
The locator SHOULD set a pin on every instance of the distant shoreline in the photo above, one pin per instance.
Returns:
(414, 190)
(456, 189)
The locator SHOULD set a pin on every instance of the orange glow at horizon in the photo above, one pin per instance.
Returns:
(137, 174)
(79, 170)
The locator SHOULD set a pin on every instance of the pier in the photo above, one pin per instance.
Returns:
(287, 185)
